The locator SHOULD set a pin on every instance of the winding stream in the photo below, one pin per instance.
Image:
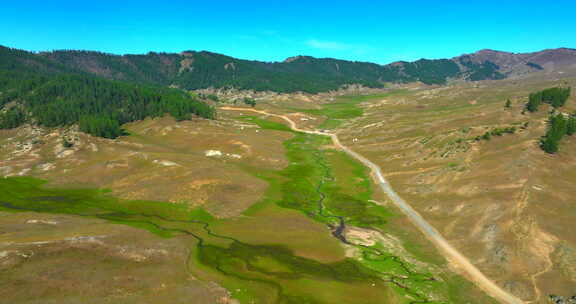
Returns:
(450, 252)
(203, 251)
(216, 257)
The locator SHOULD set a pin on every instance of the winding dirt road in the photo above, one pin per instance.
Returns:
(452, 254)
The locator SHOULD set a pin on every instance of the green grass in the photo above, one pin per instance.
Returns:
(28, 194)
(272, 272)
(350, 191)
(347, 189)
(344, 108)
(337, 111)
(266, 124)
(250, 266)
(255, 271)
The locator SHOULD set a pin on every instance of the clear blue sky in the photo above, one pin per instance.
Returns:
(377, 31)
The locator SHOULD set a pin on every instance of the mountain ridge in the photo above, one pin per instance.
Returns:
(192, 70)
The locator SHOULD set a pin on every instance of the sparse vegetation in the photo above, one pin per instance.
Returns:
(249, 101)
(495, 132)
(416, 148)
(343, 107)
(66, 143)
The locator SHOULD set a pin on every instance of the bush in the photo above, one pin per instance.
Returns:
(250, 101)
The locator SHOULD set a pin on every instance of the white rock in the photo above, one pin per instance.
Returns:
(46, 166)
(166, 163)
(213, 153)
(47, 222)
(93, 147)
(65, 153)
(24, 171)
(5, 170)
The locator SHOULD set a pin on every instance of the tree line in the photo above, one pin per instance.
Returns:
(98, 105)
(556, 97)
(559, 124)
(200, 70)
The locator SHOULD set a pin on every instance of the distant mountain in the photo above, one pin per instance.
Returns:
(511, 64)
(197, 70)
(38, 90)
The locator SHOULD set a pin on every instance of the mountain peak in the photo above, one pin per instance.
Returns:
(297, 58)
(491, 51)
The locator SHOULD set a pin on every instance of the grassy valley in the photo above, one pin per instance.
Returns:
(198, 177)
(279, 245)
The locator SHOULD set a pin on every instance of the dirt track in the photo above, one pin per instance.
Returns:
(451, 253)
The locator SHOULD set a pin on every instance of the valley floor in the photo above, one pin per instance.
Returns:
(268, 205)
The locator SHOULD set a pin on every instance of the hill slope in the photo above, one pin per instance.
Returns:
(37, 90)
(197, 70)
(511, 64)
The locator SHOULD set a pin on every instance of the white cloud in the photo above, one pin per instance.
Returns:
(327, 45)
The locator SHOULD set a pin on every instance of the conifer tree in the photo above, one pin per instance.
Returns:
(99, 106)
(556, 97)
(534, 101)
(557, 128)
(12, 118)
(571, 125)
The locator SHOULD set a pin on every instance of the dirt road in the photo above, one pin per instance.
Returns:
(452, 254)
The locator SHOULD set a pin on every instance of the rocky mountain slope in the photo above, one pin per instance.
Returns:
(511, 64)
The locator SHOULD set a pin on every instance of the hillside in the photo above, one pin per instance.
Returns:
(511, 64)
(36, 90)
(502, 200)
(192, 70)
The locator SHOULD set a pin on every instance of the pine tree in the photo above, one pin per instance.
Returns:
(534, 101)
(250, 101)
(571, 125)
(557, 128)
(99, 106)
(556, 97)
(12, 118)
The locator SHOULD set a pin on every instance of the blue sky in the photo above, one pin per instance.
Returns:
(376, 31)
